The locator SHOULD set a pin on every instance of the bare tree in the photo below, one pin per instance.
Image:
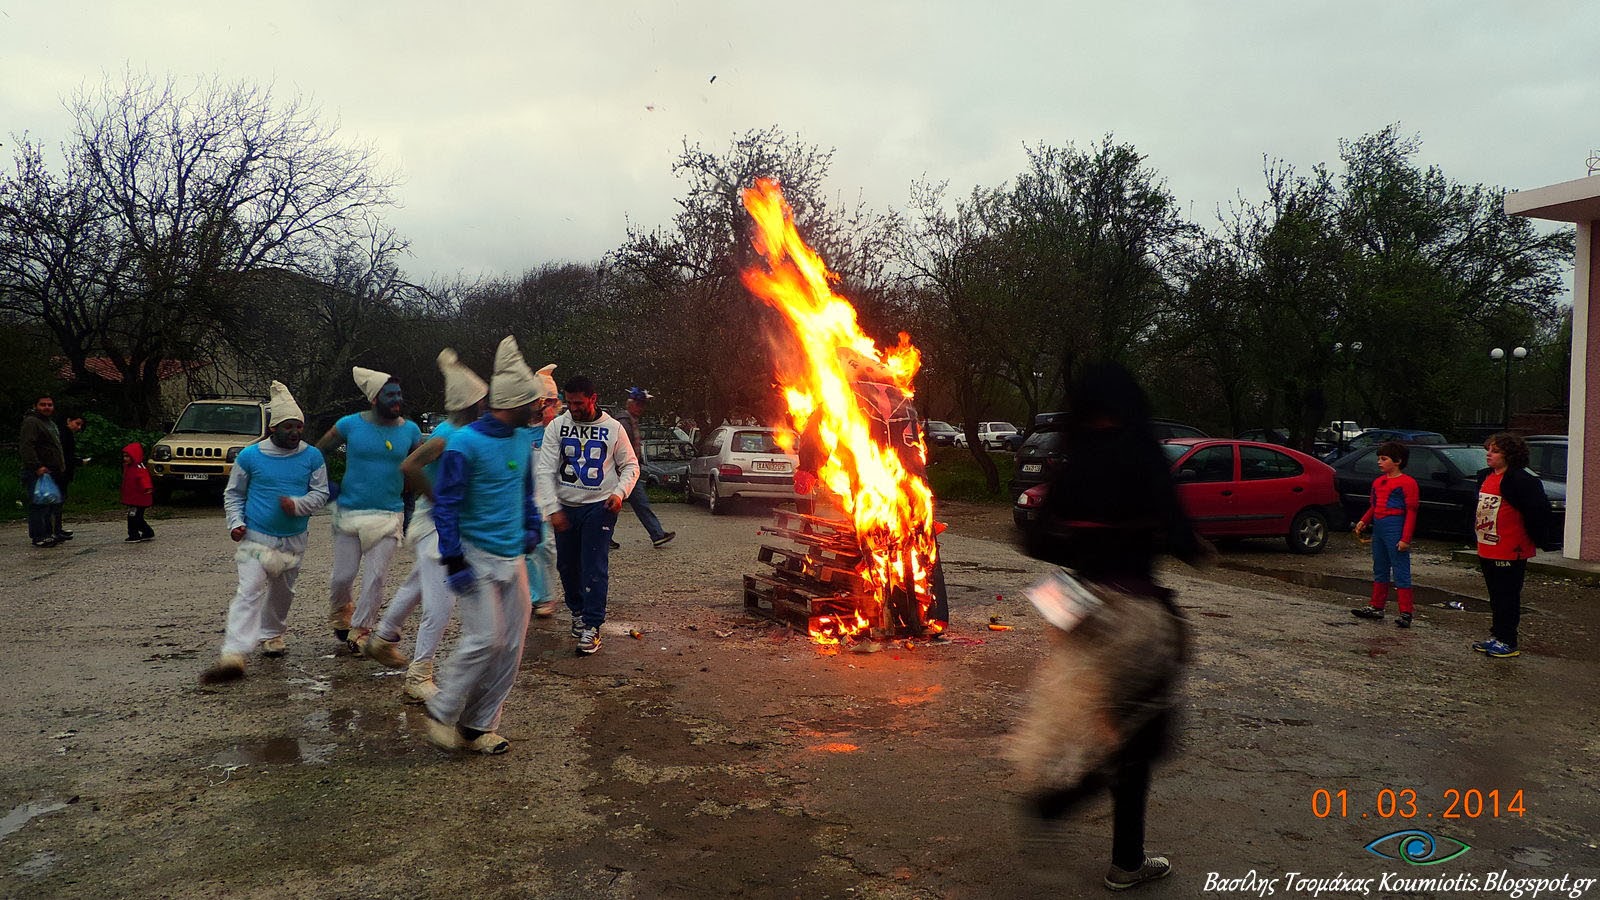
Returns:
(189, 191)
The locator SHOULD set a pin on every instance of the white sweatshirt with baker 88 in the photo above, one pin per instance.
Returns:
(584, 462)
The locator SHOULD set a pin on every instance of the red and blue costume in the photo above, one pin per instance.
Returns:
(1392, 515)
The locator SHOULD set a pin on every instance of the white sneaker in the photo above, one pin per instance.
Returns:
(1154, 867)
(274, 647)
(488, 743)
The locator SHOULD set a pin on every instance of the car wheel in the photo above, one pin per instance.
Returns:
(1309, 531)
(717, 505)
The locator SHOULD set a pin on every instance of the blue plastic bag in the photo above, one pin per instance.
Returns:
(45, 491)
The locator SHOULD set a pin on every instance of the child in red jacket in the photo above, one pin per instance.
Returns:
(1393, 520)
(138, 493)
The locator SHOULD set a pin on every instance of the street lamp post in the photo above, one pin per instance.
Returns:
(1497, 355)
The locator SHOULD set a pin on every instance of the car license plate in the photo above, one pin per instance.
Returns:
(762, 465)
(189, 476)
(1033, 467)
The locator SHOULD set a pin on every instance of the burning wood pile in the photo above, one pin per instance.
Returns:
(850, 404)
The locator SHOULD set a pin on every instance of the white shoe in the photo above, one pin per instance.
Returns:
(443, 736)
(488, 743)
(274, 647)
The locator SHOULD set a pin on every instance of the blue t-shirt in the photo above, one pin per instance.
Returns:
(373, 453)
(272, 477)
(485, 489)
(443, 430)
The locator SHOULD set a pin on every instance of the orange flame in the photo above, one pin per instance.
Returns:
(891, 507)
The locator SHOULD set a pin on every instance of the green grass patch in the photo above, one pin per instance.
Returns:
(96, 490)
(955, 475)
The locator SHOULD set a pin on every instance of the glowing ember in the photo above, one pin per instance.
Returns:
(890, 506)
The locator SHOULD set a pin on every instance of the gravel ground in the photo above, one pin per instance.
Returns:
(719, 755)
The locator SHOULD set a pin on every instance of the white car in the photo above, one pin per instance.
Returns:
(991, 435)
(741, 462)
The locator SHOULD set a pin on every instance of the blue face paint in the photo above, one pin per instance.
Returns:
(389, 400)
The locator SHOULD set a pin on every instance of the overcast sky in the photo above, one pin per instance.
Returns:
(529, 132)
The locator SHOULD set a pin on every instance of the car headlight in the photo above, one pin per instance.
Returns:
(233, 453)
(1559, 506)
(162, 452)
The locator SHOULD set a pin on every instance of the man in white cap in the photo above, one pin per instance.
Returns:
(370, 515)
(487, 519)
(543, 582)
(586, 469)
(276, 484)
(464, 392)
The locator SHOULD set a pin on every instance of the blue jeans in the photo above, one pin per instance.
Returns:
(1390, 565)
(640, 501)
(583, 559)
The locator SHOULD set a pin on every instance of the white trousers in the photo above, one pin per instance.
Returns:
(260, 608)
(494, 622)
(347, 560)
(425, 585)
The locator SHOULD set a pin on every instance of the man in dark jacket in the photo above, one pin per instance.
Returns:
(69, 455)
(39, 445)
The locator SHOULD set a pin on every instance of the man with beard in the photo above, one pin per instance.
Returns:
(487, 519)
(275, 486)
(586, 469)
(371, 505)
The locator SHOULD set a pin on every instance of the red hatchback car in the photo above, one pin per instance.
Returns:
(1243, 489)
(1236, 489)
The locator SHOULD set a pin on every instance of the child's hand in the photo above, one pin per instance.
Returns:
(1357, 527)
(1403, 546)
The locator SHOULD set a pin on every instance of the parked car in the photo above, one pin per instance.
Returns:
(991, 435)
(1235, 489)
(941, 434)
(1447, 480)
(203, 443)
(1372, 437)
(1547, 456)
(741, 462)
(1279, 436)
(668, 463)
(1040, 452)
(1167, 428)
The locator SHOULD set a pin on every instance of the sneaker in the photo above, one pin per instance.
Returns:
(443, 736)
(615, 545)
(46, 543)
(274, 647)
(588, 641)
(1481, 646)
(577, 628)
(228, 667)
(133, 540)
(148, 537)
(545, 610)
(1367, 612)
(489, 743)
(1154, 867)
(664, 540)
(63, 535)
(386, 652)
(1500, 649)
(1404, 621)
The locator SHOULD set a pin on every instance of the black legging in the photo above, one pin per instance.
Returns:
(1504, 577)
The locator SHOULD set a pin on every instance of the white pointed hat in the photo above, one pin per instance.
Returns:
(281, 405)
(462, 386)
(370, 381)
(547, 383)
(513, 383)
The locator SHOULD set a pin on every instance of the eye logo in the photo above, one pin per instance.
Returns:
(1417, 848)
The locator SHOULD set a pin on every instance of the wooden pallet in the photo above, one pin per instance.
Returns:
(791, 603)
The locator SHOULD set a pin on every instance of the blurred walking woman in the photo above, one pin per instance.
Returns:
(1102, 706)
(1513, 521)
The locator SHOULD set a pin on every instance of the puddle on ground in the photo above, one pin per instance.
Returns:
(38, 864)
(22, 815)
(275, 752)
(1359, 587)
(1532, 856)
